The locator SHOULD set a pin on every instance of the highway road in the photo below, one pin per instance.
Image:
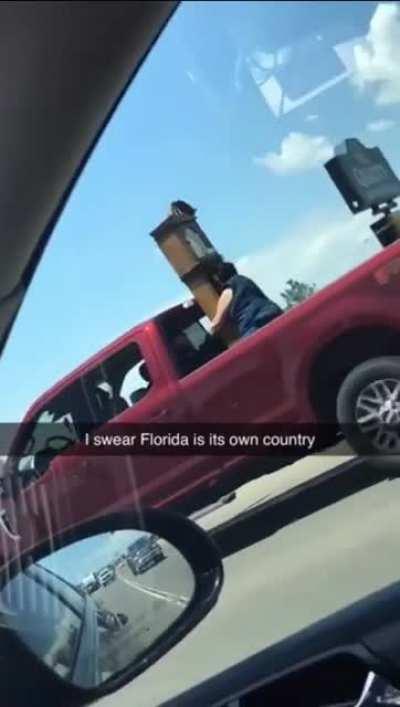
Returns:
(151, 601)
(322, 555)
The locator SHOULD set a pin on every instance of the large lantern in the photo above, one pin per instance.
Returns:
(193, 257)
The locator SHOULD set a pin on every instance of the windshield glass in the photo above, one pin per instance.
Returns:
(235, 114)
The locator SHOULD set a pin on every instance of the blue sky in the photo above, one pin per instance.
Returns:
(76, 561)
(195, 125)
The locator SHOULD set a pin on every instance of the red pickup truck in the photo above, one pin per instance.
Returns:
(333, 358)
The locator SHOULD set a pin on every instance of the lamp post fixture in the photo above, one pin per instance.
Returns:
(193, 257)
(365, 180)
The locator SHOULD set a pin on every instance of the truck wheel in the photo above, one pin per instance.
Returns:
(368, 410)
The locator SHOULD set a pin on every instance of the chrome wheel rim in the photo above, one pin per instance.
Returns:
(377, 414)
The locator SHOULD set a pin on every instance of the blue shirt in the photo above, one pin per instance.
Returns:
(250, 307)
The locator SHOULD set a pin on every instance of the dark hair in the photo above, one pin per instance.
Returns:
(183, 207)
(226, 271)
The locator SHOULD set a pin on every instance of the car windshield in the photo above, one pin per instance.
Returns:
(215, 268)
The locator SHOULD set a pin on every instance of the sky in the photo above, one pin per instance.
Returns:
(235, 110)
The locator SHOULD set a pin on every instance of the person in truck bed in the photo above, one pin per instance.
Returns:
(243, 302)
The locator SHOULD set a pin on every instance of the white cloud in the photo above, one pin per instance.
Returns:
(298, 152)
(319, 250)
(377, 63)
(311, 118)
(184, 296)
(378, 126)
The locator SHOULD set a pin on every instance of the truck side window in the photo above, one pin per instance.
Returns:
(54, 428)
(189, 340)
(137, 383)
(118, 383)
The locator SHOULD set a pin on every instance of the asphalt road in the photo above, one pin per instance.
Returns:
(315, 561)
(152, 601)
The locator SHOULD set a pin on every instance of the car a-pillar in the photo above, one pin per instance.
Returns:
(194, 259)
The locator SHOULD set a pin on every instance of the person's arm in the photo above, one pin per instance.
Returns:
(222, 313)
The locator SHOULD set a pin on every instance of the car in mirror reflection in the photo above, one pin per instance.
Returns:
(58, 622)
(89, 584)
(144, 554)
(106, 575)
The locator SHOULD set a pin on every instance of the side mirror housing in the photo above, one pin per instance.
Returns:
(80, 618)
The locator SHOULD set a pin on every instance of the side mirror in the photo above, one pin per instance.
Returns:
(58, 443)
(92, 608)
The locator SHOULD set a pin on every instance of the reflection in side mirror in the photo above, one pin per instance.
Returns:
(95, 607)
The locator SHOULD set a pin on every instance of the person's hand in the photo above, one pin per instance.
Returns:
(216, 326)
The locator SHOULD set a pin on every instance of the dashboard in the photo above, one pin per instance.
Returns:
(335, 662)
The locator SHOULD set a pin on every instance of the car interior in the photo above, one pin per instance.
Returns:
(187, 338)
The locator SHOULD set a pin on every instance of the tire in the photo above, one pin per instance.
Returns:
(372, 430)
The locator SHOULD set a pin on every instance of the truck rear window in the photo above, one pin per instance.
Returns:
(188, 339)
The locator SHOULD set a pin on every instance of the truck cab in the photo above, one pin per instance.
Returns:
(310, 366)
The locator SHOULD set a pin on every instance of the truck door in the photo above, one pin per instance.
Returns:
(243, 384)
(131, 387)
